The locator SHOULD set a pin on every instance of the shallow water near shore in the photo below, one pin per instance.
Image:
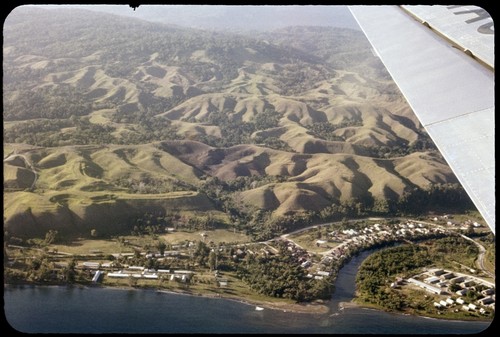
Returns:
(55, 309)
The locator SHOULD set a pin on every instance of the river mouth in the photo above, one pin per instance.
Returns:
(345, 283)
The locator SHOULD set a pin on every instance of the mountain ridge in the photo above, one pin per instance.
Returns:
(124, 117)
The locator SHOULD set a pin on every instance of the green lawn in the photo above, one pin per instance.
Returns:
(87, 246)
(110, 246)
(217, 236)
(305, 240)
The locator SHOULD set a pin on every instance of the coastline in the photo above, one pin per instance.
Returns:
(302, 308)
(318, 308)
(53, 309)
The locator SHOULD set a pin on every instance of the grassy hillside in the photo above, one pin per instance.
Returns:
(106, 119)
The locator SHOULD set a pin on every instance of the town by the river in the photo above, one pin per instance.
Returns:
(61, 309)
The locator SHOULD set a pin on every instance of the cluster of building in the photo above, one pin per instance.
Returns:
(448, 219)
(136, 272)
(349, 241)
(352, 240)
(444, 282)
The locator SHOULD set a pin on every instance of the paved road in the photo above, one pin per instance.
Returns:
(480, 257)
(482, 250)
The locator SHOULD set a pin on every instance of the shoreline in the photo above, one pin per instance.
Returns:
(300, 308)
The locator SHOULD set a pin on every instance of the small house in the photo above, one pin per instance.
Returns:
(90, 265)
(468, 283)
(487, 292)
(437, 272)
(486, 300)
(306, 264)
(222, 282)
(457, 279)
(431, 280)
(97, 276)
(447, 276)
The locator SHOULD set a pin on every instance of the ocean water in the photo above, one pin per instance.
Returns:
(54, 309)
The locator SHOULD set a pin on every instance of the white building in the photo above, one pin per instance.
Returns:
(118, 274)
(432, 279)
(468, 283)
(91, 265)
(150, 276)
(97, 275)
(426, 286)
(306, 264)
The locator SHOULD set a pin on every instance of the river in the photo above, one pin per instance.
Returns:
(59, 309)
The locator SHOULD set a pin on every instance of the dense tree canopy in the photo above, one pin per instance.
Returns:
(282, 276)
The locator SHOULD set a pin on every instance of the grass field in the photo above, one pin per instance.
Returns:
(87, 246)
(308, 242)
(217, 236)
(110, 246)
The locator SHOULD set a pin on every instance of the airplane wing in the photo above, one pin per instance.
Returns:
(442, 59)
